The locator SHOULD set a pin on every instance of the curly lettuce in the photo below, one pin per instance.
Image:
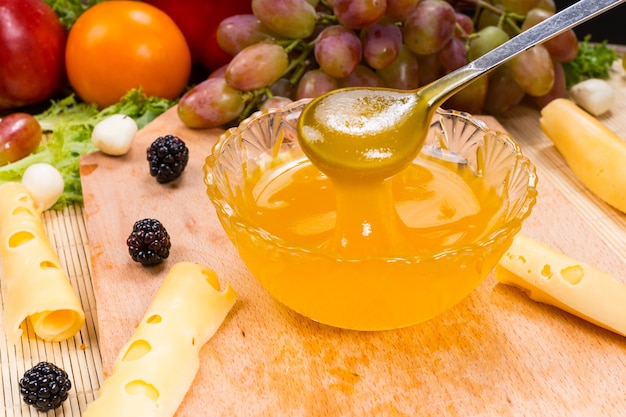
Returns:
(592, 61)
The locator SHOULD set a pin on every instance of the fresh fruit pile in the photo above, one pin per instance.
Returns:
(292, 49)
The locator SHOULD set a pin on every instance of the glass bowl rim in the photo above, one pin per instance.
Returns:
(510, 228)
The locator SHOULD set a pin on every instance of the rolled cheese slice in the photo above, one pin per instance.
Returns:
(155, 368)
(554, 278)
(35, 286)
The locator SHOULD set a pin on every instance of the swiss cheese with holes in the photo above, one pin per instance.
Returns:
(155, 368)
(35, 286)
(554, 278)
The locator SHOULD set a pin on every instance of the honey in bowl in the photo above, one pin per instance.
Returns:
(370, 255)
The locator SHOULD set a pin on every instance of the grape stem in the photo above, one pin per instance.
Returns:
(508, 18)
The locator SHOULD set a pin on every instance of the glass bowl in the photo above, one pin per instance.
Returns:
(369, 292)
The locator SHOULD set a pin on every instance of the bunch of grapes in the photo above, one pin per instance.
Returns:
(293, 49)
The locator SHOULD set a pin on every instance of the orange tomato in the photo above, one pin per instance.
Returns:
(116, 46)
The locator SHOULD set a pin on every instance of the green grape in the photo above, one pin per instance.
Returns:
(558, 90)
(293, 19)
(520, 7)
(403, 72)
(503, 91)
(548, 5)
(338, 51)
(257, 66)
(314, 83)
(533, 70)
(488, 38)
(431, 25)
(211, 103)
(563, 47)
(357, 14)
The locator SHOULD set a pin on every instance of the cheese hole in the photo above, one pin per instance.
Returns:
(573, 274)
(48, 265)
(154, 319)
(137, 350)
(546, 271)
(22, 210)
(211, 278)
(20, 238)
(59, 322)
(138, 387)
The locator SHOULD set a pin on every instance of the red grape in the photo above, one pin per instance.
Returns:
(20, 135)
(314, 83)
(533, 70)
(236, 32)
(338, 51)
(471, 98)
(429, 69)
(453, 55)
(400, 9)
(362, 76)
(275, 102)
(431, 25)
(257, 66)
(357, 14)
(289, 18)
(211, 103)
(503, 92)
(403, 73)
(381, 44)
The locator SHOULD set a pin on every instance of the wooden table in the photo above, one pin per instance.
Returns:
(496, 353)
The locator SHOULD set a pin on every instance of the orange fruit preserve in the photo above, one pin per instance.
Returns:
(429, 206)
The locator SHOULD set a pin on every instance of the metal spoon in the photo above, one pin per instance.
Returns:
(376, 132)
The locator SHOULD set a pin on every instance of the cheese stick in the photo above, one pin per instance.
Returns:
(554, 278)
(35, 286)
(155, 368)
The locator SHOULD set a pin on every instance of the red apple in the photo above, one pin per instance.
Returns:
(198, 20)
(32, 49)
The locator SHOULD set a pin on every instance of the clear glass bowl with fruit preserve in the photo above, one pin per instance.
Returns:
(455, 210)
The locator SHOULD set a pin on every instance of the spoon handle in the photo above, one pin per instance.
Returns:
(569, 17)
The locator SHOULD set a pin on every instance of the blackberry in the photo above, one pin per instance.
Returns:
(149, 243)
(45, 386)
(168, 156)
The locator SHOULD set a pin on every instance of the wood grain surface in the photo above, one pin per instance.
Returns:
(497, 353)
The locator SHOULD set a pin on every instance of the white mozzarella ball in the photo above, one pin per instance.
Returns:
(45, 184)
(114, 135)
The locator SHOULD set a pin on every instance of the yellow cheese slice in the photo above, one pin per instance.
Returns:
(35, 286)
(554, 278)
(155, 368)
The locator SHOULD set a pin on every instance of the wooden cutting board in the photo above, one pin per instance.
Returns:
(497, 353)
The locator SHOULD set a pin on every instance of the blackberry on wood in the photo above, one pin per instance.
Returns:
(168, 156)
(45, 386)
(149, 243)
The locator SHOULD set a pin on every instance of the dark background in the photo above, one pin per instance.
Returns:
(610, 26)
